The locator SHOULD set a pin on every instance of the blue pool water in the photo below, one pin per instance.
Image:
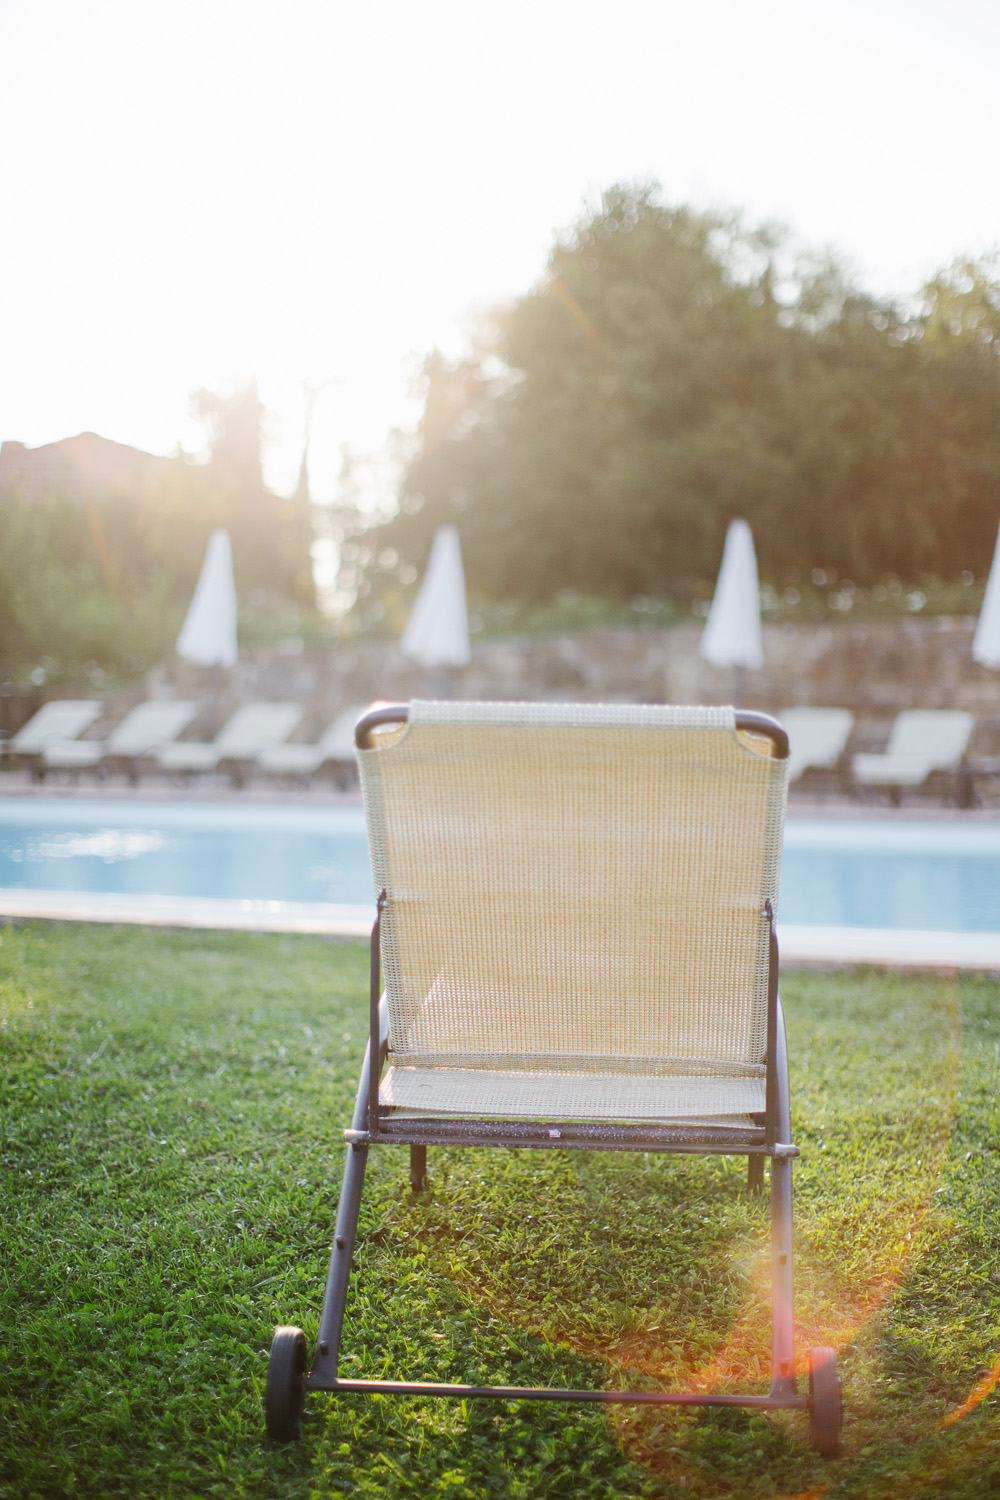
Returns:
(233, 850)
(836, 872)
(923, 877)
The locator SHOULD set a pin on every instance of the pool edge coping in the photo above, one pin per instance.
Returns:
(887, 947)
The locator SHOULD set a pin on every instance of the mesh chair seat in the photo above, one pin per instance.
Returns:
(522, 1093)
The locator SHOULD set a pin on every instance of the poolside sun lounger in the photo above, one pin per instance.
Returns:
(576, 921)
(62, 719)
(147, 727)
(250, 730)
(921, 741)
(817, 738)
(333, 752)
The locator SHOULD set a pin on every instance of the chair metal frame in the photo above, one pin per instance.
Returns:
(767, 1139)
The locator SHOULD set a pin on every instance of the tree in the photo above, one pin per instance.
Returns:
(101, 545)
(271, 536)
(674, 369)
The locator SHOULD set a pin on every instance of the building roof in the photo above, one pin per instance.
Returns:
(77, 466)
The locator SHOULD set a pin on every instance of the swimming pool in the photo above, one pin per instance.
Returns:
(209, 864)
(893, 874)
(907, 890)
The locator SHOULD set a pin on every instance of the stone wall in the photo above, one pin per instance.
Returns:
(874, 668)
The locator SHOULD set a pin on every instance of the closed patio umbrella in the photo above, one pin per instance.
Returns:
(986, 641)
(208, 635)
(731, 637)
(437, 634)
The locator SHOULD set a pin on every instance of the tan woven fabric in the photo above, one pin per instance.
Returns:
(575, 890)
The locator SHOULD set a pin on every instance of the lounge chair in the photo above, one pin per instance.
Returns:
(62, 719)
(144, 729)
(817, 738)
(334, 753)
(576, 915)
(922, 741)
(250, 730)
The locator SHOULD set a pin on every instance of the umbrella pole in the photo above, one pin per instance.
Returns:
(739, 686)
(214, 701)
(443, 683)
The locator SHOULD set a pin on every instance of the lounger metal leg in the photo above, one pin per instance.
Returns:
(339, 1274)
(348, 1209)
(755, 1175)
(782, 1304)
(418, 1168)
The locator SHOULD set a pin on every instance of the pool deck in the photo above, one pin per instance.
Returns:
(800, 945)
(207, 788)
(217, 788)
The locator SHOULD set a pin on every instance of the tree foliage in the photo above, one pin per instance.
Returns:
(271, 535)
(97, 577)
(674, 369)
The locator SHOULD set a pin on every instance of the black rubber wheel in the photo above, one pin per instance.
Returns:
(826, 1412)
(285, 1388)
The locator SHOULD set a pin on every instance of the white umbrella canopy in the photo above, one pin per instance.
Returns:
(731, 637)
(208, 635)
(986, 641)
(437, 634)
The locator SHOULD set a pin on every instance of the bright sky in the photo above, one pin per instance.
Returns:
(196, 191)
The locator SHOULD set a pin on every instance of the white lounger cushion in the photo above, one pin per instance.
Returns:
(73, 755)
(817, 737)
(920, 741)
(336, 744)
(144, 729)
(62, 719)
(247, 733)
(892, 770)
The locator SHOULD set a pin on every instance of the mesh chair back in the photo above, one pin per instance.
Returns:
(575, 888)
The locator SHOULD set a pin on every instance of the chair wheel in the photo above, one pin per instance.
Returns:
(826, 1411)
(284, 1391)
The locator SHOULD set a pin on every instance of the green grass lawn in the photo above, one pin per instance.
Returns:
(170, 1119)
